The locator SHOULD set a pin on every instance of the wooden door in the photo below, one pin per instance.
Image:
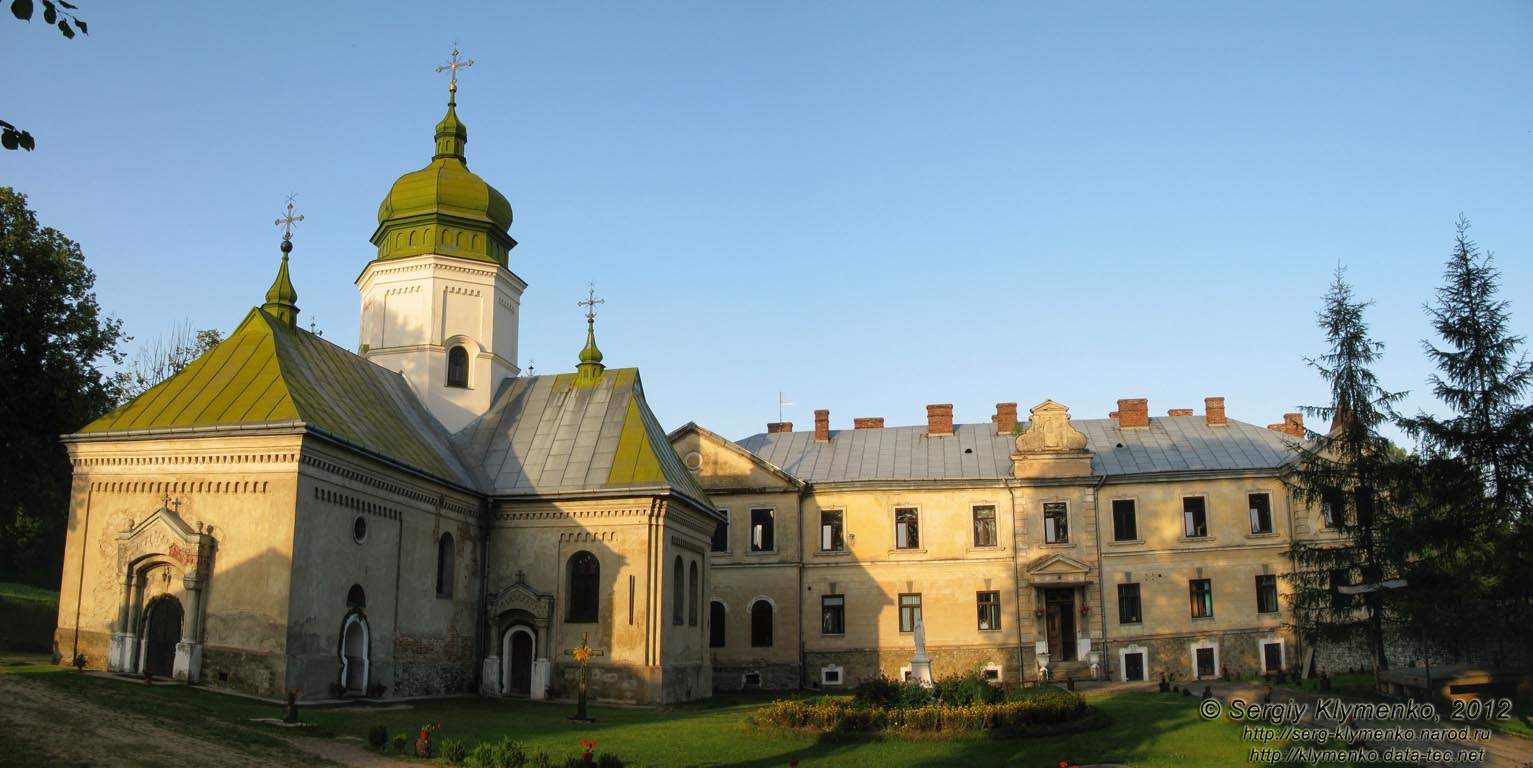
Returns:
(163, 632)
(521, 663)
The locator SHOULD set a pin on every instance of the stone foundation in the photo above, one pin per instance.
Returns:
(259, 674)
(752, 677)
(858, 665)
(96, 646)
(432, 666)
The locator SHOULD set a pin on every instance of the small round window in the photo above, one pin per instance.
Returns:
(359, 529)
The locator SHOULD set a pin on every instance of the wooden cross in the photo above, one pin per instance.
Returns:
(453, 66)
(590, 302)
(583, 654)
(288, 220)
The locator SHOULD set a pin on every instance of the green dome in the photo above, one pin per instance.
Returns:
(445, 208)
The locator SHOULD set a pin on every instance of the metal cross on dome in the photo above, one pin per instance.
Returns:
(288, 220)
(590, 302)
(453, 66)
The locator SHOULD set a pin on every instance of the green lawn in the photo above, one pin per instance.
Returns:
(30, 615)
(1145, 729)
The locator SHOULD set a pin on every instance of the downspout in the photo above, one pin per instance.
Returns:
(803, 670)
(1016, 580)
(1096, 505)
(482, 621)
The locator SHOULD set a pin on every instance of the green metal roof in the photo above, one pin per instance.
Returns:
(269, 373)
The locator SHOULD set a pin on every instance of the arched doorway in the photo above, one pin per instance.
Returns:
(162, 630)
(354, 653)
(517, 648)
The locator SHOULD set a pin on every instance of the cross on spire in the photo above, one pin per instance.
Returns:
(590, 303)
(288, 220)
(453, 67)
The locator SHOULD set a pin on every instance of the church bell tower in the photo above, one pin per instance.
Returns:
(439, 304)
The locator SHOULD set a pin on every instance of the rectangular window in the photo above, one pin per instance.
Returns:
(833, 614)
(989, 610)
(831, 539)
(1261, 512)
(984, 526)
(1129, 611)
(1056, 523)
(1333, 504)
(1340, 578)
(721, 533)
(1202, 594)
(910, 611)
(1266, 594)
(762, 534)
(1194, 517)
(907, 530)
(1125, 523)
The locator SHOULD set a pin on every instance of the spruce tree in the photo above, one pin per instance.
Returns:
(1346, 472)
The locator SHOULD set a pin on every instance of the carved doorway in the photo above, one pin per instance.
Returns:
(1059, 604)
(162, 631)
(517, 651)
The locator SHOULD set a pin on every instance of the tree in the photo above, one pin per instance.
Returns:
(1346, 472)
(52, 335)
(55, 13)
(1469, 496)
(162, 358)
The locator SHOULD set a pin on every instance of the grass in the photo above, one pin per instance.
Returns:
(30, 616)
(1144, 729)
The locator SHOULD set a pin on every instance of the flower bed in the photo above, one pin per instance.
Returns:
(882, 705)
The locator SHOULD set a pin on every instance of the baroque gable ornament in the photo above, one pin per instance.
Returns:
(1049, 430)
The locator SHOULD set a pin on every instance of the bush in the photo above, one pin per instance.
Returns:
(608, 760)
(540, 759)
(877, 691)
(913, 694)
(453, 751)
(1054, 706)
(377, 736)
(502, 754)
(971, 688)
(400, 744)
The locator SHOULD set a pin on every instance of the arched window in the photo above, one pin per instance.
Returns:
(584, 583)
(692, 585)
(716, 616)
(761, 624)
(444, 565)
(457, 367)
(678, 592)
(355, 597)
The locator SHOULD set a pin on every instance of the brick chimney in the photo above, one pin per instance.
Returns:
(822, 426)
(1005, 418)
(1293, 425)
(870, 422)
(1179, 412)
(939, 419)
(1214, 407)
(773, 427)
(1134, 413)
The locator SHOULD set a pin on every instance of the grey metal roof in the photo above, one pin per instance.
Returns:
(547, 435)
(975, 452)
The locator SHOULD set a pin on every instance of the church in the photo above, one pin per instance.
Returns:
(415, 518)
(419, 518)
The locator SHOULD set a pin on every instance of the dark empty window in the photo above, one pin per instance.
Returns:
(762, 533)
(444, 565)
(761, 624)
(1333, 505)
(1125, 521)
(832, 537)
(355, 597)
(721, 534)
(457, 367)
(584, 586)
(716, 614)
(1266, 594)
(1129, 608)
(989, 604)
(1340, 578)
(1194, 517)
(833, 614)
(1202, 593)
(1056, 523)
(692, 588)
(678, 592)
(984, 526)
(1261, 512)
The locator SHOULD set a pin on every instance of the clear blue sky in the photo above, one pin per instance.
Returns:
(867, 206)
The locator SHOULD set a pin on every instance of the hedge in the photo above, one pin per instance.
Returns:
(844, 717)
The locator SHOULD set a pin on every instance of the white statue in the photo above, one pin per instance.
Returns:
(920, 638)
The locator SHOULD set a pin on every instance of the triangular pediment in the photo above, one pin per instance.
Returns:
(518, 596)
(720, 464)
(1058, 565)
(165, 535)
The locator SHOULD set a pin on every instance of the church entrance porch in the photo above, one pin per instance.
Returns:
(1059, 609)
(162, 630)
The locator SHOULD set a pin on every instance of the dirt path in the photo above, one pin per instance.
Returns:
(46, 727)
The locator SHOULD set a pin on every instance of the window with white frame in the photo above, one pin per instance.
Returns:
(907, 528)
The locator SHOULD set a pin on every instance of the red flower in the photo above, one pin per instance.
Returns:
(1064, 764)
(794, 761)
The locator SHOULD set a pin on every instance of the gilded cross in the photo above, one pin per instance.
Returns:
(453, 66)
(582, 654)
(590, 302)
(288, 220)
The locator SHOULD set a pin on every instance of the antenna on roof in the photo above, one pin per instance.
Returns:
(780, 403)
